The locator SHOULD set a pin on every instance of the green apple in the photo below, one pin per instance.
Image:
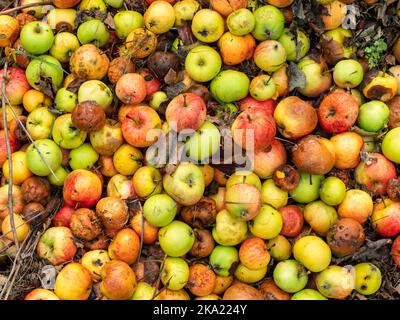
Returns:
(93, 5)
(270, 56)
(296, 45)
(246, 177)
(64, 46)
(66, 135)
(93, 31)
(157, 98)
(144, 291)
(230, 86)
(332, 191)
(61, 173)
(39, 123)
(308, 188)
(126, 21)
(207, 25)
(262, 87)
(269, 23)
(176, 239)
(267, 224)
(43, 152)
(147, 181)
(175, 273)
(271, 194)
(36, 37)
(47, 67)
(95, 90)
(203, 63)
(368, 278)
(223, 260)
(160, 210)
(186, 184)
(229, 230)
(308, 294)
(373, 116)
(290, 276)
(65, 100)
(279, 248)
(241, 22)
(83, 157)
(390, 145)
(348, 73)
(115, 3)
(203, 143)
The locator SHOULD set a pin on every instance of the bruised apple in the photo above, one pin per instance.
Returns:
(242, 291)
(253, 253)
(125, 246)
(113, 213)
(267, 161)
(386, 221)
(73, 282)
(315, 155)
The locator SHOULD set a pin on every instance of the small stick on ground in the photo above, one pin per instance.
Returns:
(10, 167)
(25, 6)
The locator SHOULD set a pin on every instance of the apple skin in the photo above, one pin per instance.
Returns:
(41, 294)
(270, 23)
(131, 88)
(46, 66)
(308, 294)
(176, 239)
(159, 17)
(89, 62)
(207, 25)
(290, 41)
(203, 63)
(185, 185)
(14, 146)
(95, 90)
(313, 252)
(57, 245)
(175, 273)
(9, 27)
(16, 85)
(73, 282)
(65, 134)
(308, 188)
(62, 19)
(262, 87)
(147, 181)
(241, 22)
(338, 112)
(222, 258)
(121, 187)
(152, 84)
(186, 111)
(63, 216)
(389, 145)
(348, 146)
(333, 191)
(320, 217)
(249, 103)
(65, 4)
(185, 11)
(82, 189)
(295, 118)
(333, 45)
(267, 161)
(64, 45)
(37, 37)
(83, 157)
(138, 126)
(20, 168)
(374, 172)
(125, 246)
(50, 152)
(204, 143)
(267, 224)
(335, 282)
(39, 123)
(373, 116)
(348, 73)
(368, 278)
(126, 21)
(229, 86)
(290, 276)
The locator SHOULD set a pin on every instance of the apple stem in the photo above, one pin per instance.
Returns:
(9, 156)
(25, 6)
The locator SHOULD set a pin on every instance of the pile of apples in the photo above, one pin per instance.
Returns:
(90, 79)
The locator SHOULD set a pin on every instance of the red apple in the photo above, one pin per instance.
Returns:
(14, 144)
(386, 222)
(338, 112)
(152, 83)
(64, 4)
(250, 103)
(268, 160)
(41, 294)
(395, 251)
(82, 189)
(257, 122)
(63, 216)
(374, 172)
(138, 124)
(57, 245)
(293, 220)
(186, 111)
(16, 85)
(131, 88)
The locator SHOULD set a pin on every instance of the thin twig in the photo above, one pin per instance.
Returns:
(9, 155)
(25, 6)
(155, 294)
